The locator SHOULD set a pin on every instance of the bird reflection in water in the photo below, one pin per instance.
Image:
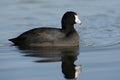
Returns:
(69, 69)
(65, 55)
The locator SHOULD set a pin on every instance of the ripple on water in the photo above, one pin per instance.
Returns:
(100, 30)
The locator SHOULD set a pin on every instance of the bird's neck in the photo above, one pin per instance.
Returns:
(68, 28)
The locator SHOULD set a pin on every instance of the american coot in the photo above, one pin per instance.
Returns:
(52, 37)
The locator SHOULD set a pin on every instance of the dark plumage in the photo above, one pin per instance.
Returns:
(52, 37)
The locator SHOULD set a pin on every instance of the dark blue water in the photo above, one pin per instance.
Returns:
(96, 59)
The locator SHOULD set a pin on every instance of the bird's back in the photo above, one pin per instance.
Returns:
(39, 36)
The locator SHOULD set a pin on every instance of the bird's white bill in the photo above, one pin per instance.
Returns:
(77, 20)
